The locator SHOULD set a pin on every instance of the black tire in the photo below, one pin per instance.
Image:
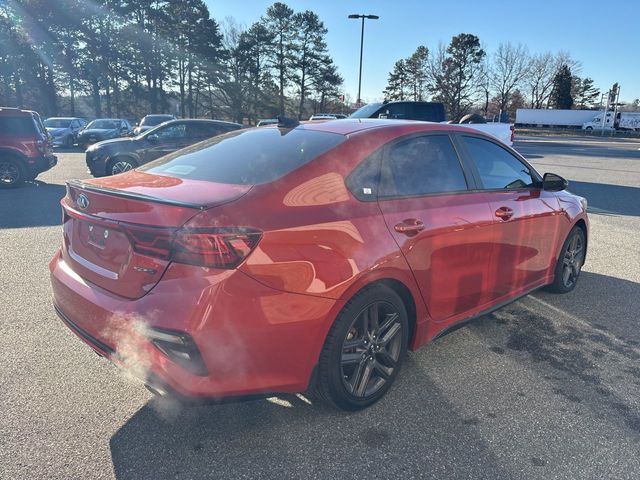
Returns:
(362, 353)
(12, 172)
(570, 261)
(120, 165)
(589, 129)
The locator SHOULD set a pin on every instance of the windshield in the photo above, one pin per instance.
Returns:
(366, 111)
(103, 125)
(150, 121)
(246, 157)
(57, 123)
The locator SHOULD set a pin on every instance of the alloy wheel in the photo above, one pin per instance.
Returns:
(9, 173)
(371, 349)
(120, 167)
(572, 262)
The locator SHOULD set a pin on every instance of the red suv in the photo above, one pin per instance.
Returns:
(277, 259)
(25, 148)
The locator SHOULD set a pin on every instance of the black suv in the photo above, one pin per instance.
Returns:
(120, 155)
(424, 111)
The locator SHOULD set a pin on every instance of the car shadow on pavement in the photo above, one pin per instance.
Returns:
(288, 437)
(564, 341)
(34, 204)
(608, 199)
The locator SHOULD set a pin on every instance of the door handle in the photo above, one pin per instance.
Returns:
(410, 226)
(504, 213)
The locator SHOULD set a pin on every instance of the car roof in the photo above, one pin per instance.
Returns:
(111, 119)
(63, 118)
(11, 111)
(158, 115)
(349, 126)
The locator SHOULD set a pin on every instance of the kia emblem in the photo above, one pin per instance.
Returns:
(82, 201)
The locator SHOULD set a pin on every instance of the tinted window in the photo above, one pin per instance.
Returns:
(57, 123)
(16, 126)
(155, 120)
(395, 111)
(172, 131)
(497, 167)
(203, 130)
(104, 125)
(428, 112)
(420, 166)
(366, 111)
(247, 156)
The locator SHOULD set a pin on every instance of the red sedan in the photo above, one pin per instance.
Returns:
(307, 257)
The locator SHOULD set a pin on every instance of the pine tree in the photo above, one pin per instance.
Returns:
(561, 97)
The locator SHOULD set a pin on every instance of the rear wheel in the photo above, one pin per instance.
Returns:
(364, 349)
(12, 173)
(570, 262)
(120, 165)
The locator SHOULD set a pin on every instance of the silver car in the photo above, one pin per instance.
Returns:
(64, 130)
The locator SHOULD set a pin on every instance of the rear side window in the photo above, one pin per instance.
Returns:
(17, 126)
(498, 168)
(421, 166)
(247, 157)
(428, 112)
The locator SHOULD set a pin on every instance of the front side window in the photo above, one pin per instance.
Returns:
(171, 132)
(498, 168)
(421, 166)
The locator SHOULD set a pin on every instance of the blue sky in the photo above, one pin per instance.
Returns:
(603, 36)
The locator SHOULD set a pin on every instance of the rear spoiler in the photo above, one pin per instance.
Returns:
(134, 196)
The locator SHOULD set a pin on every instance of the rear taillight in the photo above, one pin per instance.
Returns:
(205, 247)
(214, 247)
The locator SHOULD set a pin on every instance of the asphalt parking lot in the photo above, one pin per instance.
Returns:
(548, 387)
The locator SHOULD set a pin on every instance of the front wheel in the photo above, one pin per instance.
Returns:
(364, 349)
(120, 165)
(570, 262)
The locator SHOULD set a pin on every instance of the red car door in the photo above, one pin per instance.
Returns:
(525, 218)
(443, 229)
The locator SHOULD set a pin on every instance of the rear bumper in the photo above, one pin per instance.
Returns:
(253, 339)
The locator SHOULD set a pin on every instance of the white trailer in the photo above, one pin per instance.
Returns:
(547, 117)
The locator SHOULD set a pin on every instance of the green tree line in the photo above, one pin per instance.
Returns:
(126, 58)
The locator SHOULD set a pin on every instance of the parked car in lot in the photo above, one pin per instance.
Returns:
(103, 129)
(430, 112)
(150, 121)
(311, 257)
(322, 116)
(64, 130)
(25, 148)
(120, 155)
(267, 121)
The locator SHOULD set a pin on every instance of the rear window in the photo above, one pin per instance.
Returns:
(246, 157)
(155, 120)
(17, 126)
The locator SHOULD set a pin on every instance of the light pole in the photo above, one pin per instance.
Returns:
(370, 17)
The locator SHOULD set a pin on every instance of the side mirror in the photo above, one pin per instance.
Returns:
(153, 138)
(554, 183)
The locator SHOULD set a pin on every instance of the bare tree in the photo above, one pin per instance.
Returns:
(540, 78)
(511, 64)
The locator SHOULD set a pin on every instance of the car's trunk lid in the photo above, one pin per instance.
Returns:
(118, 231)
